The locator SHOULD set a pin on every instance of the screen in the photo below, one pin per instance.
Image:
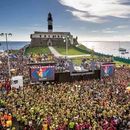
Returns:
(107, 70)
(44, 73)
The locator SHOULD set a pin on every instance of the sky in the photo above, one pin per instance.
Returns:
(90, 20)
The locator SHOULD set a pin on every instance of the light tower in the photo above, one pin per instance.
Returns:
(50, 22)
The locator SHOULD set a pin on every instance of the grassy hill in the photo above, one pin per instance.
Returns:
(62, 50)
(37, 50)
(72, 50)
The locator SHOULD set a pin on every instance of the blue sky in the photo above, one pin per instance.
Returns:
(90, 20)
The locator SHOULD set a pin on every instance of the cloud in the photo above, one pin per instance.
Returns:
(122, 27)
(104, 38)
(95, 31)
(104, 31)
(97, 10)
(108, 31)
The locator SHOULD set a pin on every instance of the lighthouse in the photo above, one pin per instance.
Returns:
(50, 22)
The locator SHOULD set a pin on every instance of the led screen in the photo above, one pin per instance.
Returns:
(107, 70)
(42, 73)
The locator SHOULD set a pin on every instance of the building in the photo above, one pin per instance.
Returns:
(50, 38)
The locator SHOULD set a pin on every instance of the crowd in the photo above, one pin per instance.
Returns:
(36, 58)
(81, 105)
(65, 64)
(85, 105)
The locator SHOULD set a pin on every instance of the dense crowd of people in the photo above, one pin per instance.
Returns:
(65, 64)
(81, 105)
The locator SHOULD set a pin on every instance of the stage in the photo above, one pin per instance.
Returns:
(71, 77)
(45, 72)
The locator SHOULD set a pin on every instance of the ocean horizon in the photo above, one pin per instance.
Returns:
(13, 45)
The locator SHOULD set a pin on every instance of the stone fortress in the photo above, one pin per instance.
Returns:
(50, 38)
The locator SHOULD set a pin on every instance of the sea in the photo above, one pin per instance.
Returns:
(109, 47)
(13, 45)
(104, 47)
